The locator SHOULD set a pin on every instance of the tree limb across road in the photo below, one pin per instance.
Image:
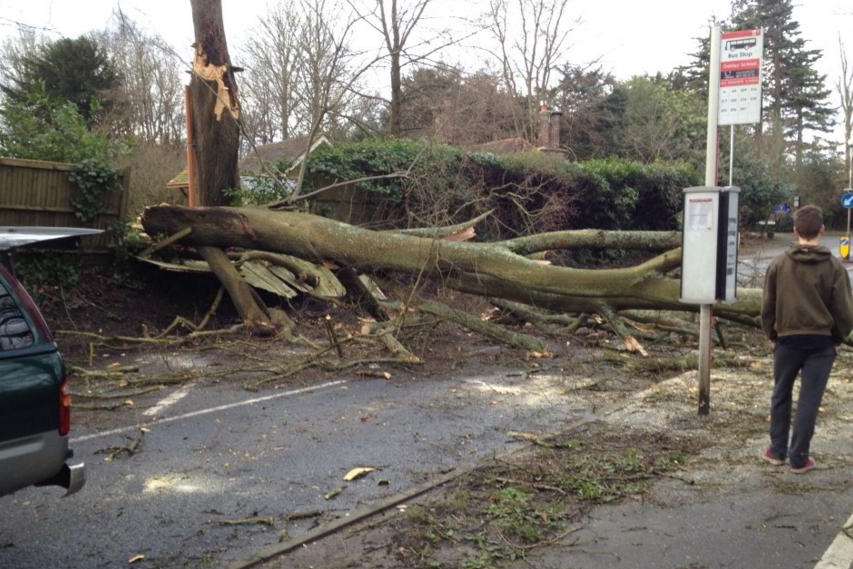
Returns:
(490, 269)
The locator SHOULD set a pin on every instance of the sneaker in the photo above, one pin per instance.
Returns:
(809, 465)
(770, 457)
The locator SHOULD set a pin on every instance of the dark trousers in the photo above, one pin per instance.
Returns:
(815, 365)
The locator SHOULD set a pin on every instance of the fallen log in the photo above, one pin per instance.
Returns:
(497, 269)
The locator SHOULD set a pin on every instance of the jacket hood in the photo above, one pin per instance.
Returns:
(809, 254)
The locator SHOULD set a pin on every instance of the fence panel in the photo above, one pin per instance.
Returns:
(35, 192)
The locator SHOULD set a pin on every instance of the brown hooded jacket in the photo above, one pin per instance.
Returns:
(807, 292)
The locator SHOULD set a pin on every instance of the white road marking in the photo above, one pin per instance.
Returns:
(167, 401)
(840, 552)
(208, 411)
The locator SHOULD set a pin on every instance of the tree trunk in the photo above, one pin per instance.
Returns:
(394, 119)
(489, 269)
(216, 136)
(215, 105)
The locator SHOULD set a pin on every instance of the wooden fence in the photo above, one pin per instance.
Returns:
(34, 192)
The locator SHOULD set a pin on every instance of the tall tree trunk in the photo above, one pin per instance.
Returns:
(216, 134)
(215, 104)
(800, 129)
(394, 120)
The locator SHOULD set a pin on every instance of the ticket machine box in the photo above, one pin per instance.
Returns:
(709, 245)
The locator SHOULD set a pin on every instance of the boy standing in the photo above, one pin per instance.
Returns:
(807, 310)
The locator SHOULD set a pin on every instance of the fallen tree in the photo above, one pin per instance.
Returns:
(496, 269)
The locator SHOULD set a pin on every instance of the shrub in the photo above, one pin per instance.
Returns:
(40, 128)
(529, 191)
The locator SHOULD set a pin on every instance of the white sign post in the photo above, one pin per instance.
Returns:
(734, 97)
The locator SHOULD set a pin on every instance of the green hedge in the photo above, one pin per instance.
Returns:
(529, 191)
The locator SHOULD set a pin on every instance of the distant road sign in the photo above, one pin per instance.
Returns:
(782, 208)
(847, 200)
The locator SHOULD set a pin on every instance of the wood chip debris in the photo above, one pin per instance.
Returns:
(359, 472)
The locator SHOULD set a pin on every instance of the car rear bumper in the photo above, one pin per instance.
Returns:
(42, 460)
(72, 477)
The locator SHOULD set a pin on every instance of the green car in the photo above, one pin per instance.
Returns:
(35, 406)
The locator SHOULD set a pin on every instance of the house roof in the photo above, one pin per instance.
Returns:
(290, 151)
(182, 180)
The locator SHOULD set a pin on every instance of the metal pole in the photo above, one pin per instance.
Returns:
(731, 153)
(711, 147)
(849, 188)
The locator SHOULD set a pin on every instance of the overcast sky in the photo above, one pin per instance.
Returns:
(629, 37)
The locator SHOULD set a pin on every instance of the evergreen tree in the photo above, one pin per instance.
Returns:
(695, 73)
(795, 95)
(807, 107)
(73, 70)
(582, 96)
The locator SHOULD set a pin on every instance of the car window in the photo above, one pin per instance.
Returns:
(15, 332)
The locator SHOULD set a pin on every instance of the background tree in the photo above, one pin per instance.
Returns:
(817, 180)
(654, 122)
(395, 21)
(425, 92)
(793, 90)
(76, 70)
(532, 38)
(273, 57)
(42, 128)
(582, 96)
(13, 51)
(808, 107)
(329, 69)
(148, 98)
(479, 110)
(845, 93)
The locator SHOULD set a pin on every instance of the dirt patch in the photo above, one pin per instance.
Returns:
(509, 507)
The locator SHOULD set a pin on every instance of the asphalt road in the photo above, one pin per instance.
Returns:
(753, 263)
(270, 457)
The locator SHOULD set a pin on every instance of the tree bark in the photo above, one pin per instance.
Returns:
(489, 269)
(216, 108)
(394, 119)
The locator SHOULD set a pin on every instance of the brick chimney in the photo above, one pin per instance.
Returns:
(554, 130)
(549, 129)
(544, 139)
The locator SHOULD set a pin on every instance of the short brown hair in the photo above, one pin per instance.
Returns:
(808, 220)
